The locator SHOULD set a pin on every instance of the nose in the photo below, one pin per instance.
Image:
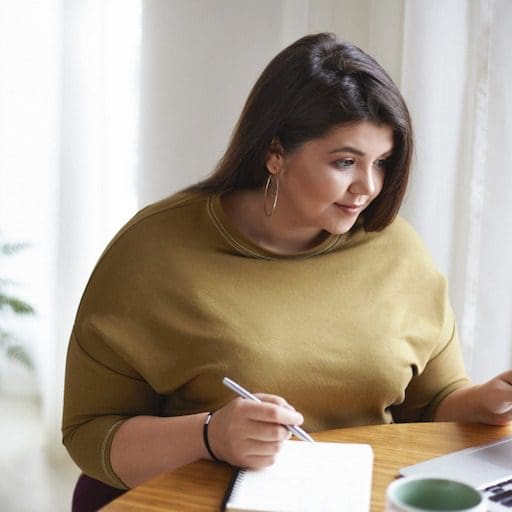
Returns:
(364, 182)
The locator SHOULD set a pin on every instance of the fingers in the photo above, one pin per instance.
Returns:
(268, 432)
(274, 399)
(257, 454)
(503, 404)
(273, 412)
(249, 433)
(506, 377)
(255, 448)
(496, 397)
(499, 390)
(258, 461)
(504, 418)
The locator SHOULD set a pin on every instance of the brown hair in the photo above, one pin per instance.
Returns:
(310, 87)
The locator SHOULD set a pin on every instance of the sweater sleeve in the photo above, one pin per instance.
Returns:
(99, 396)
(443, 374)
(122, 358)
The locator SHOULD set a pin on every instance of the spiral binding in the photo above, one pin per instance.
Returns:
(237, 481)
(233, 487)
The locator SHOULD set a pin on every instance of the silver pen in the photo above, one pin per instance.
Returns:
(239, 390)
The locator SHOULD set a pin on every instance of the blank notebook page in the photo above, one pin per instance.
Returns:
(307, 476)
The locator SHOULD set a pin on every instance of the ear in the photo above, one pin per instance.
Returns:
(275, 157)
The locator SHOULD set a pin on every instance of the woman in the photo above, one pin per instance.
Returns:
(287, 270)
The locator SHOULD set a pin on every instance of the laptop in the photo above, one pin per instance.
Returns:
(487, 467)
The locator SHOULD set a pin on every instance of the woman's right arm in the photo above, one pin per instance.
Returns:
(112, 429)
(242, 433)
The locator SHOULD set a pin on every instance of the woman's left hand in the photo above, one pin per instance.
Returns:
(495, 398)
(489, 403)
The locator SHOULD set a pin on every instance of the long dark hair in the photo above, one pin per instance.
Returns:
(310, 87)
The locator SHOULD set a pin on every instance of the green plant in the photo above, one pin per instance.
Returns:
(8, 342)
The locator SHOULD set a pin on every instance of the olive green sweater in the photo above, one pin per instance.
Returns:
(356, 331)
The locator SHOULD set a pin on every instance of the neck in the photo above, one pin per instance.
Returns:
(276, 233)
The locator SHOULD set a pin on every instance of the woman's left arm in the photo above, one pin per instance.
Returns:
(489, 403)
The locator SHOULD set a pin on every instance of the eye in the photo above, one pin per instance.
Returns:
(344, 163)
(381, 162)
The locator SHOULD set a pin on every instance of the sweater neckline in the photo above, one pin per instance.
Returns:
(247, 247)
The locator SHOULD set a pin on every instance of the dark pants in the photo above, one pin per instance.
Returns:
(90, 494)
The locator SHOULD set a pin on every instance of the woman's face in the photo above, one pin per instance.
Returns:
(328, 182)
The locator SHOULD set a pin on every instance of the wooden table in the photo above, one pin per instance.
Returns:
(199, 487)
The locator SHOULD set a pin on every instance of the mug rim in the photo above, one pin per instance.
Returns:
(411, 508)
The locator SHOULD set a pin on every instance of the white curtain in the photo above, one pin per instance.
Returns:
(98, 153)
(68, 133)
(71, 138)
(456, 73)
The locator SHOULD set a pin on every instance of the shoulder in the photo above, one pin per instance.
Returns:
(178, 201)
(159, 223)
(397, 249)
(145, 255)
(412, 260)
(152, 239)
(175, 209)
(401, 236)
(407, 246)
(397, 239)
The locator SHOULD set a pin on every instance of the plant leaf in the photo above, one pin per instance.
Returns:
(19, 354)
(5, 337)
(11, 248)
(17, 305)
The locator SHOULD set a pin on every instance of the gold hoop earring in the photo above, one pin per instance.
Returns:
(269, 212)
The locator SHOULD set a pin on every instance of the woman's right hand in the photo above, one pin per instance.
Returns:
(249, 434)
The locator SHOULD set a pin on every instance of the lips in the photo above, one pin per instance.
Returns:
(350, 209)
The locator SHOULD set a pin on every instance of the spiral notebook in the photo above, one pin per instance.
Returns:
(306, 476)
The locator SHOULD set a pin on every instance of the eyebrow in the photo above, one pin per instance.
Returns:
(351, 149)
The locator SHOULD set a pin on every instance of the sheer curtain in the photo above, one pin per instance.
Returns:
(98, 157)
(76, 158)
(456, 73)
(68, 134)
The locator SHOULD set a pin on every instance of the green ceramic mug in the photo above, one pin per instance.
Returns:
(428, 494)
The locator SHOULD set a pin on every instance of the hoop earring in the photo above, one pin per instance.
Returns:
(269, 212)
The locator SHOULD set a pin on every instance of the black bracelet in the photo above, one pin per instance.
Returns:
(205, 436)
